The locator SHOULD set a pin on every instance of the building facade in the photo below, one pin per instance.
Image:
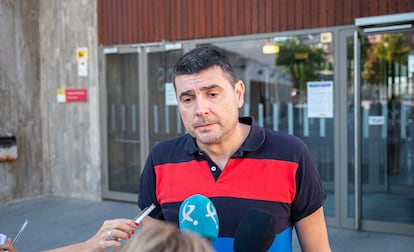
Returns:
(87, 92)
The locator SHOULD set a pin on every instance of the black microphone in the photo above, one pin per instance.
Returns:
(255, 232)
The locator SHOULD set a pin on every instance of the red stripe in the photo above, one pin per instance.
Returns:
(259, 179)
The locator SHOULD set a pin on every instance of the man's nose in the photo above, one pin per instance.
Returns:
(202, 107)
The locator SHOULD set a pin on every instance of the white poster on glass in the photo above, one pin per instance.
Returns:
(320, 99)
(170, 98)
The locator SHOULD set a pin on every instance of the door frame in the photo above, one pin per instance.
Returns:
(364, 26)
(142, 51)
(342, 187)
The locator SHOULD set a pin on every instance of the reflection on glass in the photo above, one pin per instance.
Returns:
(276, 91)
(123, 122)
(387, 112)
(350, 126)
(164, 117)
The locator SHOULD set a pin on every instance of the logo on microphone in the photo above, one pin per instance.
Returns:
(211, 212)
(187, 210)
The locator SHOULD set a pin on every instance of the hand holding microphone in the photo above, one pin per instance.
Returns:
(198, 214)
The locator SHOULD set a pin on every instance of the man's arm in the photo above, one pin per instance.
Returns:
(312, 232)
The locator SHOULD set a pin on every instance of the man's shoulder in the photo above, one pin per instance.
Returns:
(283, 137)
(175, 148)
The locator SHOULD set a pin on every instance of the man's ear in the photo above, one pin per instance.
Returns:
(239, 89)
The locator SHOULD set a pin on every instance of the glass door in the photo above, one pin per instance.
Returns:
(123, 118)
(380, 111)
(164, 121)
(140, 111)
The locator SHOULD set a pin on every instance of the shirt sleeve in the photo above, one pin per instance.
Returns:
(147, 190)
(310, 195)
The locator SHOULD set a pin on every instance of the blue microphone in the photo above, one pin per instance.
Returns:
(198, 214)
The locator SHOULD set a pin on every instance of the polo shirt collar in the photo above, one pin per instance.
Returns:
(254, 140)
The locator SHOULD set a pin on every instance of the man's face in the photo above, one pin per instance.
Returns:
(209, 104)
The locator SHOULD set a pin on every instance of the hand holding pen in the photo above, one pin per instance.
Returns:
(8, 246)
(110, 235)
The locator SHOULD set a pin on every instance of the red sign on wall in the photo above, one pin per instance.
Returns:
(76, 95)
(72, 95)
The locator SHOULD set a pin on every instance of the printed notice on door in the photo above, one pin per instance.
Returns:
(320, 99)
(170, 99)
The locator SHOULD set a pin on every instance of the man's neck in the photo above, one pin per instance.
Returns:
(221, 153)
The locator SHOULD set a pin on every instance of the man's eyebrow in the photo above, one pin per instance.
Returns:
(187, 92)
(212, 86)
(204, 88)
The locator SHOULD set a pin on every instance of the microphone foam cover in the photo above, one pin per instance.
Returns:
(198, 214)
(255, 232)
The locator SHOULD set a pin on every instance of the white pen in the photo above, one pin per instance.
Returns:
(141, 215)
(20, 231)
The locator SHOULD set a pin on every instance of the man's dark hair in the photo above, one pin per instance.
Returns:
(202, 58)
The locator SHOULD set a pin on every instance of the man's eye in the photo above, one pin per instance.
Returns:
(187, 99)
(213, 94)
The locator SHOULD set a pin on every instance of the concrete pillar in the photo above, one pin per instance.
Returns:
(59, 144)
(20, 105)
(71, 131)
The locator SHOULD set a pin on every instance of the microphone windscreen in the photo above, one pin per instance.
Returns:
(198, 214)
(255, 232)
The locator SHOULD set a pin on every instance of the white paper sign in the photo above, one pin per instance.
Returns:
(82, 68)
(170, 98)
(320, 99)
(3, 239)
(82, 56)
(376, 120)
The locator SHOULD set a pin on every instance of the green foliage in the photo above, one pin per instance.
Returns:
(381, 56)
(301, 61)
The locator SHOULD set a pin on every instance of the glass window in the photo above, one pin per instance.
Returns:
(164, 117)
(387, 102)
(124, 164)
(277, 72)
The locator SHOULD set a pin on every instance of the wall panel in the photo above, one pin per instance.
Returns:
(268, 17)
(298, 12)
(132, 21)
(282, 13)
(276, 13)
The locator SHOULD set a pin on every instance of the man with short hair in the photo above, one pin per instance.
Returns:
(233, 161)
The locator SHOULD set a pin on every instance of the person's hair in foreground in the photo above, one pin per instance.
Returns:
(165, 237)
(201, 59)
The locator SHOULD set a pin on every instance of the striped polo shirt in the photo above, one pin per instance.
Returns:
(272, 171)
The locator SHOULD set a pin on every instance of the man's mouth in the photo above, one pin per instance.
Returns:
(203, 125)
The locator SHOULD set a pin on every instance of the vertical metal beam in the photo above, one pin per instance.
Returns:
(357, 129)
(143, 56)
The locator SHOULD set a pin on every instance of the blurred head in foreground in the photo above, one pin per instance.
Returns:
(165, 237)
